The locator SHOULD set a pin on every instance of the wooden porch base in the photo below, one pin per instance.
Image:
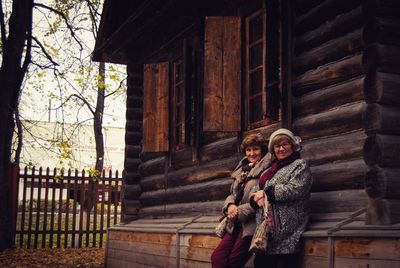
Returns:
(189, 242)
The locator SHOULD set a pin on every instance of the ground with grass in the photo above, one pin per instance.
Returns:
(52, 257)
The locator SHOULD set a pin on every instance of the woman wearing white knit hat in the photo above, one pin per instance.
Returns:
(285, 188)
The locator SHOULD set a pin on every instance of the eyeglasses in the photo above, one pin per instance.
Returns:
(284, 145)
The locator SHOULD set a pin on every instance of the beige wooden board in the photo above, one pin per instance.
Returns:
(358, 263)
(194, 264)
(315, 247)
(118, 263)
(142, 247)
(199, 241)
(384, 249)
(314, 262)
(153, 259)
(141, 237)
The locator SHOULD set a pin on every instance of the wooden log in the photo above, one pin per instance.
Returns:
(195, 174)
(182, 158)
(383, 183)
(329, 74)
(153, 166)
(382, 88)
(133, 138)
(134, 114)
(342, 24)
(341, 175)
(131, 207)
(213, 136)
(132, 177)
(383, 211)
(382, 119)
(199, 192)
(343, 119)
(134, 100)
(329, 97)
(181, 209)
(326, 11)
(132, 151)
(382, 30)
(335, 148)
(381, 58)
(381, 8)
(134, 126)
(132, 164)
(219, 149)
(382, 150)
(132, 192)
(330, 51)
(154, 182)
(338, 201)
(302, 6)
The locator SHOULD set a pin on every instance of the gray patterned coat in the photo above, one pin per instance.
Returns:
(290, 187)
(246, 214)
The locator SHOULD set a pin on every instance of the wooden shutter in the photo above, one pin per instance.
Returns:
(222, 74)
(155, 107)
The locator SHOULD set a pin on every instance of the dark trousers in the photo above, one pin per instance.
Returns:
(277, 261)
(232, 251)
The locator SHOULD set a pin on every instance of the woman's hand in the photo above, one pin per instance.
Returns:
(259, 198)
(232, 212)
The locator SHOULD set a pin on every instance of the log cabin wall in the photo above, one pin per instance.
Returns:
(328, 101)
(382, 115)
(344, 107)
(133, 137)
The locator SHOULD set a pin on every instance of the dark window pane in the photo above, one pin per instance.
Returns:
(256, 56)
(255, 109)
(179, 93)
(255, 29)
(178, 72)
(256, 82)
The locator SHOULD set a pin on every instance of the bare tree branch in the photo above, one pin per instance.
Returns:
(78, 97)
(44, 51)
(2, 25)
(62, 15)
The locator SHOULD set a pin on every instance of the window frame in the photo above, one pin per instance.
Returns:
(265, 120)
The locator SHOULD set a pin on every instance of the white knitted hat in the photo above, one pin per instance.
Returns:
(296, 140)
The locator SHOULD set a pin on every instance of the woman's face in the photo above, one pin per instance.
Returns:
(283, 148)
(253, 153)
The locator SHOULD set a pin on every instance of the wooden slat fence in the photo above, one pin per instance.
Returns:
(50, 207)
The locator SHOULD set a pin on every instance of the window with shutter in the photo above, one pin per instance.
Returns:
(261, 69)
(155, 107)
(168, 101)
(222, 74)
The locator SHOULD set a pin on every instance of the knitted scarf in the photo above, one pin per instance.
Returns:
(275, 166)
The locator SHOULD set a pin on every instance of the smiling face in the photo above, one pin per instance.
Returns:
(253, 153)
(282, 147)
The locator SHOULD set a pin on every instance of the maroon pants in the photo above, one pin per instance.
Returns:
(232, 251)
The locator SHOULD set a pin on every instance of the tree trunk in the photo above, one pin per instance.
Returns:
(11, 76)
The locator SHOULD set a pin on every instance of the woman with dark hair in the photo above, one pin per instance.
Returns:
(233, 250)
(285, 188)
